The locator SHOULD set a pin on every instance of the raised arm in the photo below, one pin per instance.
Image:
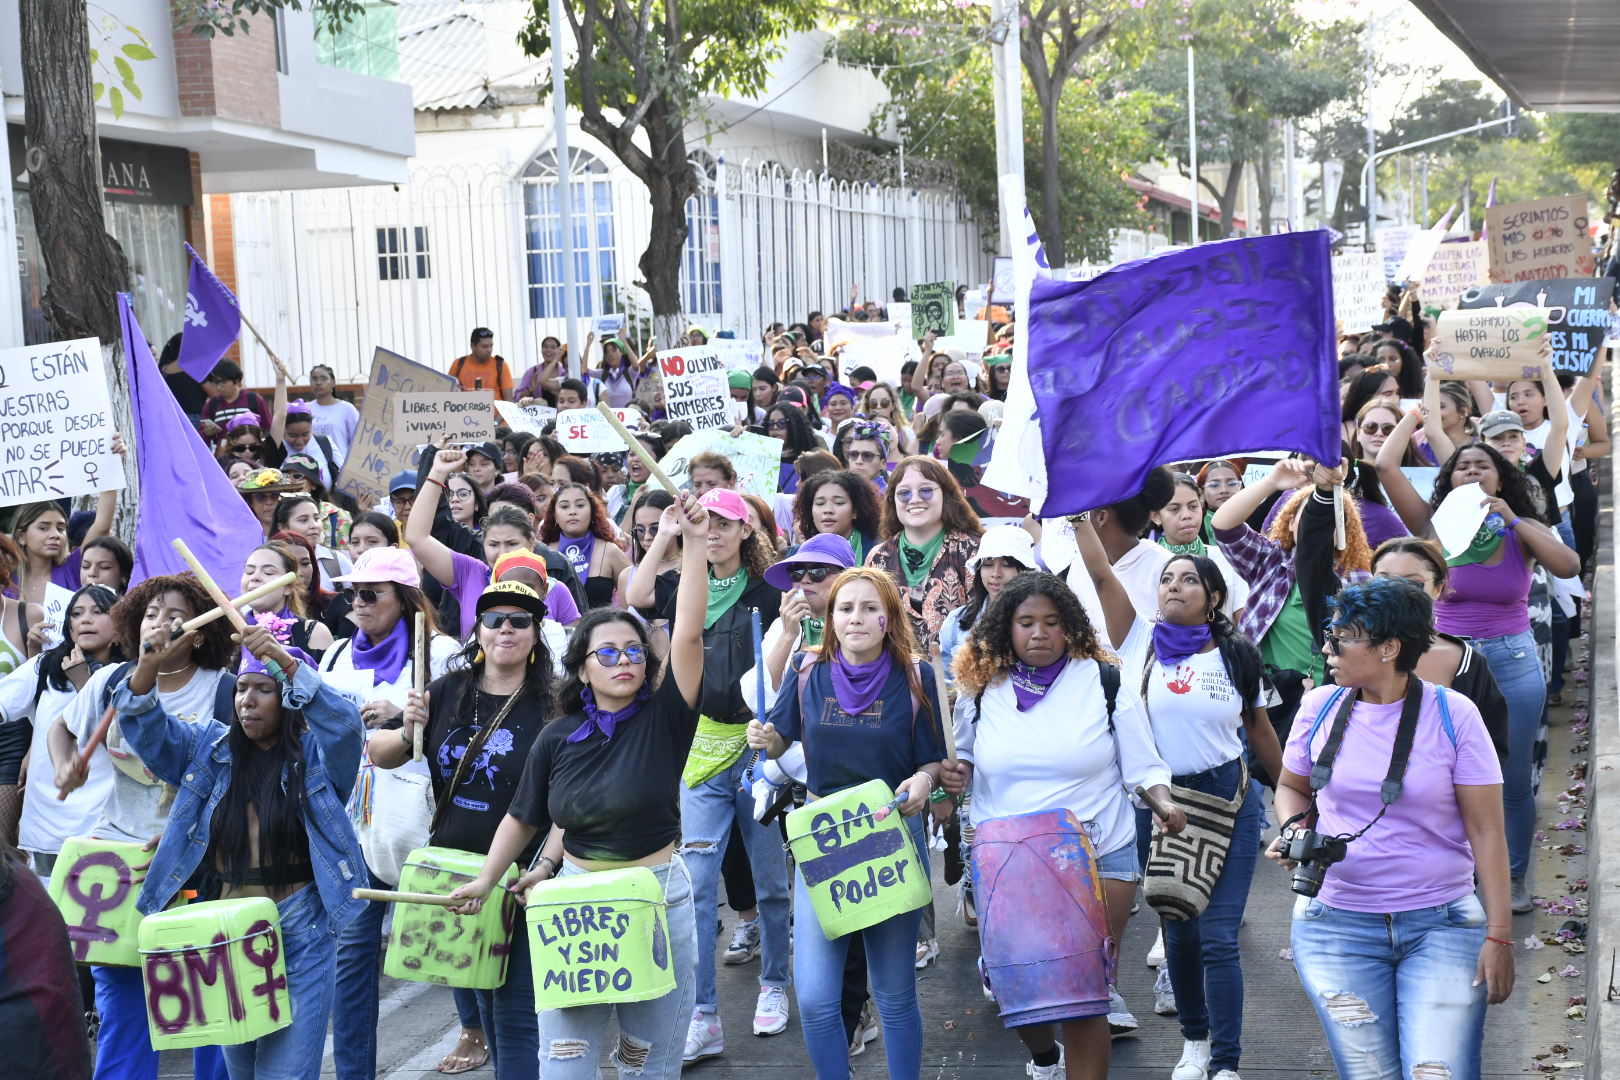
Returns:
(642, 593)
(1552, 455)
(1118, 611)
(1413, 511)
(431, 552)
(1285, 475)
(1539, 540)
(686, 628)
(278, 408)
(1433, 430)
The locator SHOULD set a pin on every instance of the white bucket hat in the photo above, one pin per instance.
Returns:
(1005, 542)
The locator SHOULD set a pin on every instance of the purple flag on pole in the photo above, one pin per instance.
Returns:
(184, 492)
(1220, 349)
(212, 320)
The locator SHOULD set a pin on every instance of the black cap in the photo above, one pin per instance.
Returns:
(489, 450)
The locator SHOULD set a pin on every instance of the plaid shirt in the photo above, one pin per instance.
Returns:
(1269, 570)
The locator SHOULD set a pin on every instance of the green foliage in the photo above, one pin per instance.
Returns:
(205, 18)
(127, 43)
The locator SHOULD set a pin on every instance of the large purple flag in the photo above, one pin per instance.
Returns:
(212, 320)
(184, 492)
(1209, 351)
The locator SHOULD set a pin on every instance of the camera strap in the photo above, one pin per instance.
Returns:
(1400, 754)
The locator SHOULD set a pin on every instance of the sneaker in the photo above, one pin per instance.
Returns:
(926, 952)
(1120, 1020)
(771, 1011)
(704, 1039)
(1520, 895)
(1155, 955)
(970, 909)
(744, 943)
(1047, 1072)
(1164, 998)
(866, 1029)
(984, 982)
(1228, 1074)
(1194, 1063)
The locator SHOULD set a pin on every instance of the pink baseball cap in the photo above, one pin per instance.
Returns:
(384, 564)
(728, 504)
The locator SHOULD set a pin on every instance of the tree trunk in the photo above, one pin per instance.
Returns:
(1229, 196)
(669, 185)
(86, 266)
(1262, 181)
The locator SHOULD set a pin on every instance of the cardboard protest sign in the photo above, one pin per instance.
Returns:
(1358, 290)
(757, 459)
(94, 885)
(695, 389)
(1452, 271)
(1578, 317)
(374, 454)
(1502, 343)
(1391, 243)
(528, 419)
(586, 431)
(598, 938)
(465, 416)
(56, 423)
(214, 973)
(933, 307)
(734, 353)
(1001, 281)
(1540, 239)
(858, 870)
(432, 945)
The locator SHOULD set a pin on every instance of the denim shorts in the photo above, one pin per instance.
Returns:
(1119, 865)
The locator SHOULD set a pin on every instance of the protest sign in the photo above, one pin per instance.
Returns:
(735, 353)
(586, 431)
(56, 423)
(1578, 317)
(885, 356)
(1358, 290)
(1501, 343)
(933, 307)
(599, 938)
(1392, 242)
(1423, 478)
(900, 318)
(375, 455)
(1540, 239)
(972, 336)
(1419, 250)
(757, 459)
(94, 885)
(604, 326)
(695, 389)
(465, 416)
(1452, 271)
(528, 419)
(214, 973)
(1001, 281)
(858, 869)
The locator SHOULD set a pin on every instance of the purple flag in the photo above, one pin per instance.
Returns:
(212, 320)
(1209, 351)
(184, 492)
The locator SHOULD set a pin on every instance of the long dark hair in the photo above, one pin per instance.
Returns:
(469, 662)
(1513, 485)
(119, 551)
(50, 664)
(1239, 656)
(979, 596)
(865, 515)
(1410, 379)
(272, 783)
(573, 682)
(648, 498)
(799, 438)
(315, 597)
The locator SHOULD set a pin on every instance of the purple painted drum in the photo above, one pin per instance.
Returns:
(1038, 871)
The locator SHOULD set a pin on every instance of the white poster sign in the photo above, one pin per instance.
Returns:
(586, 431)
(745, 353)
(1358, 290)
(695, 389)
(55, 423)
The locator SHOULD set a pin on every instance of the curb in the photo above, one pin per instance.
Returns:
(1603, 828)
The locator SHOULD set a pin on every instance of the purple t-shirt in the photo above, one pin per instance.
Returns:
(1488, 601)
(1418, 855)
(472, 578)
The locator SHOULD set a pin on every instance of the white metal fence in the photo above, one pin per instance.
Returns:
(330, 274)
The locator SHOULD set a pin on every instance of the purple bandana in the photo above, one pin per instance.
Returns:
(385, 659)
(1030, 684)
(601, 721)
(1173, 643)
(579, 553)
(857, 686)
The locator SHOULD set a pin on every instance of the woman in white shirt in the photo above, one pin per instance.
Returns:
(1035, 736)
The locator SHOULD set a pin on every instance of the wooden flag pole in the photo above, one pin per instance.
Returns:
(947, 731)
(419, 672)
(281, 369)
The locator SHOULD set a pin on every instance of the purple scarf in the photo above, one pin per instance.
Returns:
(1030, 684)
(1173, 643)
(858, 686)
(579, 553)
(601, 721)
(385, 659)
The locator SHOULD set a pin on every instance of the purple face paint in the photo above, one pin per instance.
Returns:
(883, 624)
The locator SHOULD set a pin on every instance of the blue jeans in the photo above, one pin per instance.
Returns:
(511, 1028)
(652, 1034)
(1513, 662)
(466, 1006)
(1396, 991)
(124, 1045)
(707, 812)
(358, 965)
(294, 1052)
(1202, 953)
(891, 962)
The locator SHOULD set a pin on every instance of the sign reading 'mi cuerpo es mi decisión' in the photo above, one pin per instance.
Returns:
(55, 423)
(695, 389)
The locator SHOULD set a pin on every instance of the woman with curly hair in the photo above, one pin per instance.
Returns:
(842, 503)
(1049, 737)
(851, 706)
(195, 683)
(577, 524)
(714, 795)
(930, 533)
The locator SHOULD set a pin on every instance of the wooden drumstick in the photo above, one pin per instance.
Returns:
(946, 734)
(640, 451)
(419, 670)
(389, 896)
(248, 597)
(223, 601)
(1152, 804)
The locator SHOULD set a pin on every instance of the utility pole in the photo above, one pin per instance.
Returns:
(565, 188)
(1008, 86)
(1192, 148)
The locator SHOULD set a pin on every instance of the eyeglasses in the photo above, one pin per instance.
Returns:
(1373, 427)
(494, 620)
(646, 532)
(776, 425)
(862, 455)
(922, 494)
(608, 655)
(1337, 642)
(457, 494)
(367, 596)
(816, 574)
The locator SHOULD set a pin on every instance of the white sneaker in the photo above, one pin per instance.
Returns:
(1194, 1063)
(1047, 1072)
(1120, 1020)
(771, 1011)
(1164, 996)
(704, 1039)
(1155, 955)
(744, 943)
(926, 952)
(1227, 1074)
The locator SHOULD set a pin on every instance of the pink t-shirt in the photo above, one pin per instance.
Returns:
(1418, 855)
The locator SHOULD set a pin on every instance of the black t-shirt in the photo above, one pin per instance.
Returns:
(487, 785)
(1544, 488)
(728, 645)
(617, 799)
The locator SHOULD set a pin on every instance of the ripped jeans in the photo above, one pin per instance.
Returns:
(1395, 993)
(652, 1034)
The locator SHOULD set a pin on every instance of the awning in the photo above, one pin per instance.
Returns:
(1553, 55)
(1208, 211)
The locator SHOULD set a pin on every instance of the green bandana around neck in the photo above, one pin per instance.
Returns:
(1480, 548)
(723, 593)
(858, 542)
(1195, 547)
(916, 561)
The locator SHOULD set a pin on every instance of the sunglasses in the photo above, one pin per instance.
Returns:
(922, 494)
(1337, 642)
(608, 655)
(816, 574)
(368, 596)
(1373, 427)
(862, 455)
(248, 448)
(646, 532)
(494, 620)
(776, 425)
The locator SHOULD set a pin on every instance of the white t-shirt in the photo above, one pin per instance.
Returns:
(1195, 713)
(337, 422)
(338, 671)
(137, 807)
(46, 822)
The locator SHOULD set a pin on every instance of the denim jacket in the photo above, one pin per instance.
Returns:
(196, 758)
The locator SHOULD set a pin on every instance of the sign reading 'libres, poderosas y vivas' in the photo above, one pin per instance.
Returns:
(56, 423)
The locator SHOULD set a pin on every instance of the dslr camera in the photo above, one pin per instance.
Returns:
(1313, 853)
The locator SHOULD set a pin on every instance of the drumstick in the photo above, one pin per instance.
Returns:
(419, 670)
(248, 597)
(944, 704)
(1153, 804)
(640, 451)
(81, 760)
(389, 896)
(223, 601)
